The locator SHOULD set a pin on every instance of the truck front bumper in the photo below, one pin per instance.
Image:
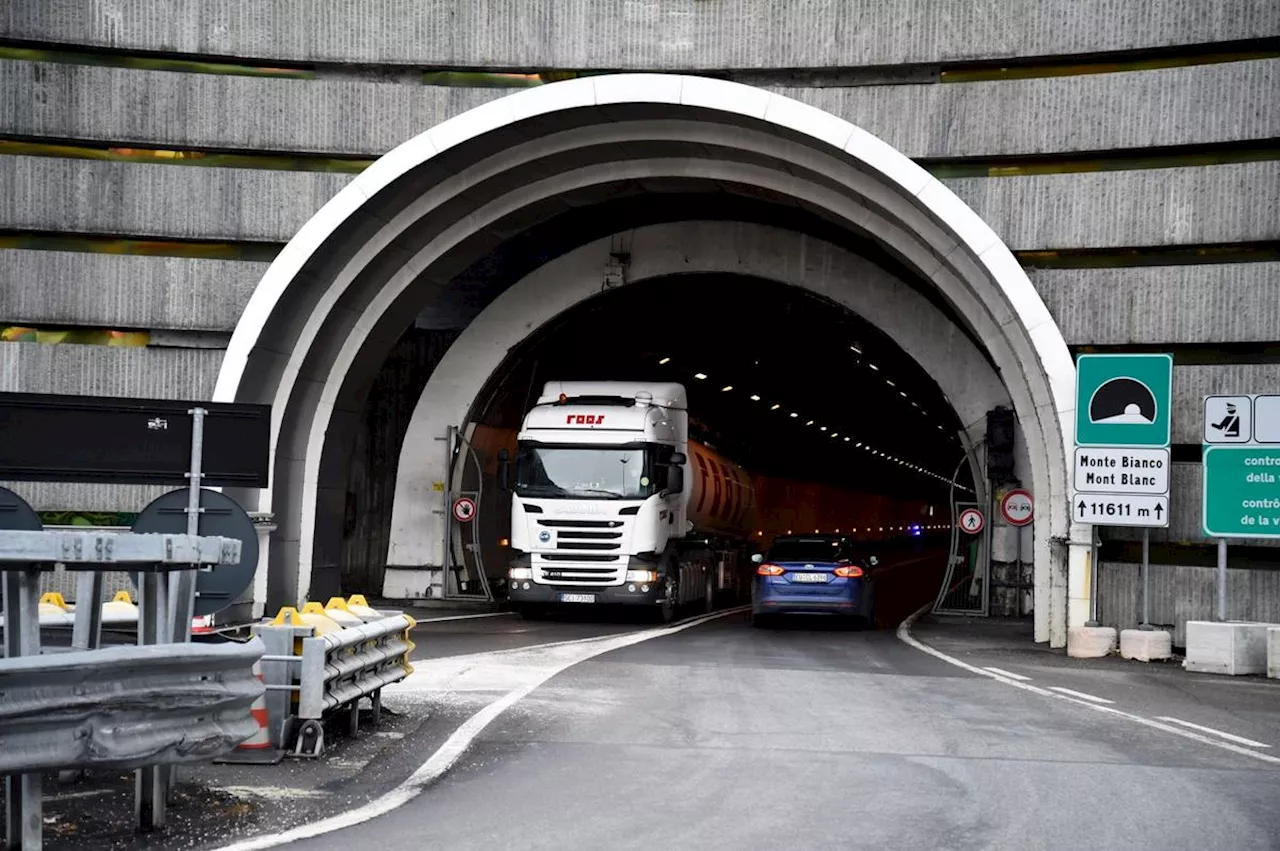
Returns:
(611, 595)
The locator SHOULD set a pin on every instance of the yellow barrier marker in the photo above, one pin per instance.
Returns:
(337, 611)
(122, 597)
(53, 598)
(314, 615)
(291, 614)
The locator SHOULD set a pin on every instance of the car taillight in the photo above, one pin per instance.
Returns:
(769, 570)
(849, 572)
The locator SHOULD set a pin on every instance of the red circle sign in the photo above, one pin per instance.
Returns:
(1018, 507)
(464, 510)
(972, 521)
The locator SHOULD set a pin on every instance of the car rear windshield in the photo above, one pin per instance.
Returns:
(815, 549)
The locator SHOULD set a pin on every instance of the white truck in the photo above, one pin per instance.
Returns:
(613, 504)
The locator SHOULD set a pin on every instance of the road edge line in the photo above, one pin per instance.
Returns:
(904, 634)
(444, 757)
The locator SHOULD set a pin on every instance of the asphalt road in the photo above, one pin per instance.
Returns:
(455, 635)
(727, 737)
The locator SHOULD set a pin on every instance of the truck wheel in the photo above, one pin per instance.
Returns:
(709, 601)
(670, 605)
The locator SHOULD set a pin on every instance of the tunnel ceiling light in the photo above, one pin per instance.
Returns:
(902, 393)
(822, 428)
(835, 434)
(664, 360)
(726, 388)
(809, 423)
(755, 398)
(700, 376)
(775, 407)
(794, 414)
(854, 348)
(890, 383)
(873, 366)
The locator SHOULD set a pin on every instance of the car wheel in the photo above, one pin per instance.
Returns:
(669, 608)
(759, 620)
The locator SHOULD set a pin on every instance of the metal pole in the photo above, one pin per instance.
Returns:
(182, 587)
(24, 817)
(1222, 579)
(150, 783)
(447, 560)
(86, 632)
(1146, 579)
(1093, 578)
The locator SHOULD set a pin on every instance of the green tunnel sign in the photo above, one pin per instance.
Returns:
(1242, 491)
(1123, 400)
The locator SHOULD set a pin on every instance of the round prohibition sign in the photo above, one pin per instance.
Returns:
(972, 521)
(464, 510)
(1017, 507)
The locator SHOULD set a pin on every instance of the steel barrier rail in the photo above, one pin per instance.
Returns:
(328, 672)
(126, 707)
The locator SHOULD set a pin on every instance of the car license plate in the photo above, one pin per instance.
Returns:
(577, 598)
(808, 577)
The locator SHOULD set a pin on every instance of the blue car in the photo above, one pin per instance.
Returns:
(813, 574)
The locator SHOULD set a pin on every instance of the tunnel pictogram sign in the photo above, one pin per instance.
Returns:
(1123, 400)
(464, 510)
(972, 521)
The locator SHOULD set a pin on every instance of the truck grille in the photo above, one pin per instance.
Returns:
(586, 553)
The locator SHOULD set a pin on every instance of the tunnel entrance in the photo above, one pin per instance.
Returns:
(644, 177)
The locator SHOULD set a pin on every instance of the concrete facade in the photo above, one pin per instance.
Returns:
(1220, 308)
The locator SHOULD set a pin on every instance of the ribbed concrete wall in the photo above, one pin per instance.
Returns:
(154, 373)
(1210, 303)
(1194, 105)
(1223, 203)
(1181, 593)
(122, 291)
(624, 34)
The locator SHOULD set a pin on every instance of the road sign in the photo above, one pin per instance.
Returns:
(464, 509)
(1123, 400)
(1242, 420)
(1017, 507)
(1121, 509)
(1118, 469)
(218, 587)
(972, 521)
(1241, 493)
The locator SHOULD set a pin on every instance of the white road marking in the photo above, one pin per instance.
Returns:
(1080, 694)
(462, 617)
(1010, 674)
(1241, 739)
(456, 745)
(904, 634)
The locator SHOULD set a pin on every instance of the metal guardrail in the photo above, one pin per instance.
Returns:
(126, 707)
(322, 661)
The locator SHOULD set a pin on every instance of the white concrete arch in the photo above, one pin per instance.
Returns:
(329, 306)
(965, 377)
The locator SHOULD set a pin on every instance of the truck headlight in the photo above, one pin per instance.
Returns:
(516, 573)
(641, 576)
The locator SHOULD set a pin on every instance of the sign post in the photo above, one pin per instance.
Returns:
(1121, 467)
(1241, 493)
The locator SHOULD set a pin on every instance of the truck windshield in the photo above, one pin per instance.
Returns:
(581, 472)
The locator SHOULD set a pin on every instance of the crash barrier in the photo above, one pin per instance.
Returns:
(322, 661)
(95, 707)
(125, 707)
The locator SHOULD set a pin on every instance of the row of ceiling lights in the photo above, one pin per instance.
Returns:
(854, 530)
(835, 434)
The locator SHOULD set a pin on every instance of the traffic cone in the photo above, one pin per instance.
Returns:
(257, 749)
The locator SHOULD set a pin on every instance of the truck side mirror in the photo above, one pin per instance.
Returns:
(679, 459)
(504, 469)
(675, 480)
(757, 558)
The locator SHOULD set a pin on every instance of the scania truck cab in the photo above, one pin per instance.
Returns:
(600, 498)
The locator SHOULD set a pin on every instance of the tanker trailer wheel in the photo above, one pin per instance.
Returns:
(709, 602)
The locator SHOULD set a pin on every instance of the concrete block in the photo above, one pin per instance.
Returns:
(1273, 652)
(1090, 642)
(1145, 645)
(1232, 648)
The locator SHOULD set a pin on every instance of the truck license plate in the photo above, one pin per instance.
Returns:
(577, 598)
(808, 577)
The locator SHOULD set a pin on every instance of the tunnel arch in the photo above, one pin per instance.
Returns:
(967, 379)
(330, 305)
